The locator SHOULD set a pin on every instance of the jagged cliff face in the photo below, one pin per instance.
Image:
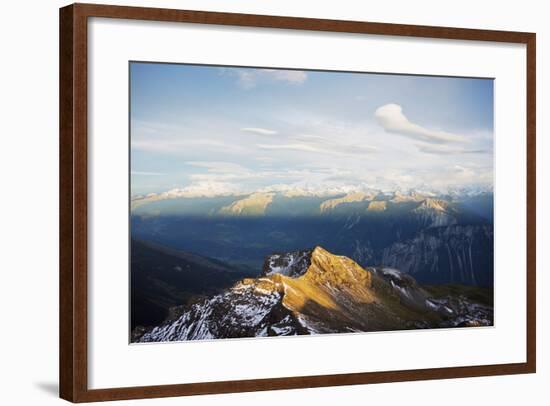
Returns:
(432, 240)
(455, 254)
(316, 292)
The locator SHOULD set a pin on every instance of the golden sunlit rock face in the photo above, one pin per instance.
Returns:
(326, 275)
(334, 294)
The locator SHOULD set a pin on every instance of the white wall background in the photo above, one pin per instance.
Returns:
(29, 189)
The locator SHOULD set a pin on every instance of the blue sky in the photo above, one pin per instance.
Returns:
(207, 130)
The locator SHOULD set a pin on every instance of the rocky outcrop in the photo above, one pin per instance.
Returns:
(291, 264)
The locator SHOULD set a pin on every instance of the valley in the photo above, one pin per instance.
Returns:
(441, 238)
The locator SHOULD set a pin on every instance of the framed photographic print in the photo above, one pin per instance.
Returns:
(346, 201)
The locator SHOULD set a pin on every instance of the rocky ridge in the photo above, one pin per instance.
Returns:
(317, 292)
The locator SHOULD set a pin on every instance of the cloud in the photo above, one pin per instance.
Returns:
(259, 131)
(207, 188)
(291, 76)
(331, 149)
(250, 78)
(247, 79)
(204, 189)
(448, 150)
(218, 166)
(194, 136)
(392, 119)
(295, 147)
(196, 146)
(310, 138)
(249, 176)
(334, 145)
(242, 145)
(196, 189)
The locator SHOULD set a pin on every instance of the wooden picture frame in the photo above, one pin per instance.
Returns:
(73, 197)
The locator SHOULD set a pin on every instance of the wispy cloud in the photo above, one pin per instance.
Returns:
(206, 188)
(169, 145)
(218, 166)
(332, 149)
(319, 144)
(448, 150)
(391, 118)
(259, 131)
(291, 76)
(250, 78)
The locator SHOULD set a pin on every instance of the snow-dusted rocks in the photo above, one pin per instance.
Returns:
(291, 264)
(251, 308)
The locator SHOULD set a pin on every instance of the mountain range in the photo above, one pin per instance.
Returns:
(316, 292)
(297, 201)
(436, 238)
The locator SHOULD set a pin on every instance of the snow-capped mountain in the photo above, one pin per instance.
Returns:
(316, 292)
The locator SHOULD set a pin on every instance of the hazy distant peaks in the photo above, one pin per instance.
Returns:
(413, 196)
(256, 202)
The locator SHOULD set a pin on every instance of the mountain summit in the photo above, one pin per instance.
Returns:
(315, 292)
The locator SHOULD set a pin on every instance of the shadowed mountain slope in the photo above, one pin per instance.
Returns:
(162, 278)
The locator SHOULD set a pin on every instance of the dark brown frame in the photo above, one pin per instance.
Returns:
(73, 362)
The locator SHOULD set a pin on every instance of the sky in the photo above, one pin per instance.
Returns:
(210, 130)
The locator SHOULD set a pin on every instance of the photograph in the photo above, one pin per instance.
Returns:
(277, 202)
